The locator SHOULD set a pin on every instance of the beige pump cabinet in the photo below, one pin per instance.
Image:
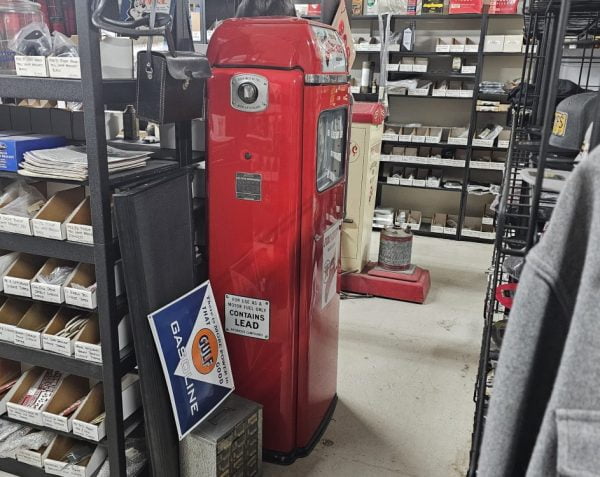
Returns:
(365, 149)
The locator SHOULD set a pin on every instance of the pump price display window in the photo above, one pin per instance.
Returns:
(331, 136)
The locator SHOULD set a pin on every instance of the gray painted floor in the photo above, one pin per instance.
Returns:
(406, 375)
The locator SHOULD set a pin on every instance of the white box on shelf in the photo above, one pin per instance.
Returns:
(407, 64)
(405, 134)
(64, 67)
(477, 142)
(415, 219)
(11, 312)
(504, 139)
(443, 44)
(7, 258)
(422, 89)
(71, 389)
(434, 135)
(49, 222)
(15, 224)
(52, 293)
(30, 456)
(17, 280)
(85, 295)
(26, 413)
(394, 47)
(438, 223)
(93, 405)
(393, 180)
(458, 136)
(87, 343)
(389, 136)
(513, 43)
(37, 317)
(466, 92)
(421, 65)
(450, 227)
(9, 371)
(419, 135)
(54, 465)
(471, 227)
(392, 67)
(35, 66)
(60, 344)
(458, 44)
(493, 43)
(472, 44)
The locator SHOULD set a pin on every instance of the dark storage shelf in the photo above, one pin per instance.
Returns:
(431, 53)
(419, 187)
(448, 98)
(435, 75)
(67, 364)
(367, 97)
(12, 466)
(77, 252)
(121, 304)
(436, 16)
(12, 86)
(443, 145)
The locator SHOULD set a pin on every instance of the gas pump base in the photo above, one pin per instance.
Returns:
(281, 458)
(375, 281)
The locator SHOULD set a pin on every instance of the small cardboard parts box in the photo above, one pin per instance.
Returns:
(438, 223)
(71, 389)
(60, 344)
(36, 66)
(51, 293)
(11, 312)
(28, 331)
(80, 289)
(31, 456)
(49, 222)
(9, 371)
(59, 447)
(17, 280)
(93, 406)
(87, 344)
(26, 413)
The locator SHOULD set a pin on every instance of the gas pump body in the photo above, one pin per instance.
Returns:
(278, 111)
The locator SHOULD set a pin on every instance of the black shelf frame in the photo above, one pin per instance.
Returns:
(94, 93)
(484, 20)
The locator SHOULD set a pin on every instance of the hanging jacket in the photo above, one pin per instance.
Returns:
(544, 414)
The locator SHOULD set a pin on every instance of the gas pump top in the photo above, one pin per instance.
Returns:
(267, 43)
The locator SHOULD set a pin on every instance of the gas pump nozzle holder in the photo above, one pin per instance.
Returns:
(280, 96)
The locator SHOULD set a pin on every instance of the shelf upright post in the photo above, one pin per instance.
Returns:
(93, 107)
(464, 196)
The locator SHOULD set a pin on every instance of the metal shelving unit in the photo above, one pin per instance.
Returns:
(94, 93)
(524, 210)
(480, 55)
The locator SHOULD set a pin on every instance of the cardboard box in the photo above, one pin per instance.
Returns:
(64, 67)
(393, 180)
(49, 222)
(504, 139)
(59, 447)
(392, 67)
(17, 280)
(405, 134)
(60, 344)
(85, 276)
(357, 7)
(488, 232)
(9, 371)
(408, 176)
(415, 219)
(471, 227)
(401, 217)
(493, 43)
(11, 312)
(407, 63)
(434, 135)
(434, 180)
(458, 44)
(443, 44)
(513, 43)
(457, 136)
(390, 135)
(28, 331)
(419, 134)
(454, 89)
(46, 291)
(421, 65)
(36, 66)
(93, 405)
(7, 258)
(31, 456)
(420, 179)
(422, 89)
(88, 346)
(71, 389)
(12, 148)
(26, 413)
(451, 225)
(467, 90)
(439, 89)
(472, 44)
(438, 223)
(410, 154)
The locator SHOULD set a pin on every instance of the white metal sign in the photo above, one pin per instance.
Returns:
(247, 316)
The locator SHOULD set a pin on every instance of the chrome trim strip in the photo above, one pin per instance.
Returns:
(326, 79)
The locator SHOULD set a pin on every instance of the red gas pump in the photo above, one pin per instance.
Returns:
(277, 129)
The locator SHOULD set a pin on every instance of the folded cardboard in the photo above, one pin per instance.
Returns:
(36, 66)
(93, 406)
(18, 411)
(49, 222)
(17, 280)
(12, 148)
(84, 276)
(438, 223)
(71, 389)
(52, 293)
(59, 447)
(28, 331)
(60, 344)
(87, 344)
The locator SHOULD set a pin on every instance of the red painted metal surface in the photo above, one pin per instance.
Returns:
(272, 249)
(369, 113)
(394, 285)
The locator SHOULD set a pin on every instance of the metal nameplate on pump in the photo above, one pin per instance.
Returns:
(249, 93)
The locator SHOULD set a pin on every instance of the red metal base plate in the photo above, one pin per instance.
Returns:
(387, 284)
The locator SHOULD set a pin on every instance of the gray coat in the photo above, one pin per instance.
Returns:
(544, 415)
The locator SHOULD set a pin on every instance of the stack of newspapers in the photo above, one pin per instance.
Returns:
(71, 162)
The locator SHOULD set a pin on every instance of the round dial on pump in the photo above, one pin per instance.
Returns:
(248, 92)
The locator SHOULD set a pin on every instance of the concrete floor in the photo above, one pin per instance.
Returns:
(406, 375)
